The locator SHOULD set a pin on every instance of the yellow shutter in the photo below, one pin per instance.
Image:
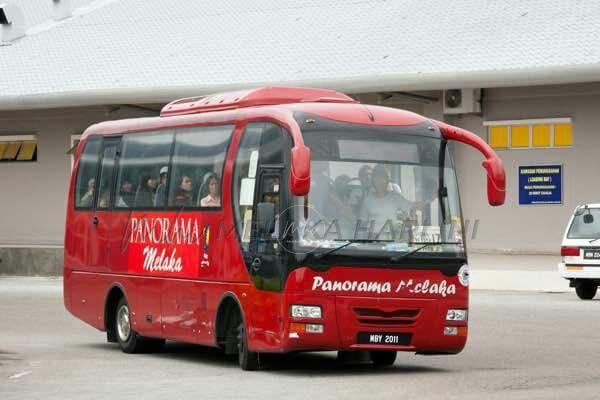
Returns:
(498, 137)
(3, 146)
(27, 151)
(519, 136)
(563, 135)
(541, 136)
(11, 151)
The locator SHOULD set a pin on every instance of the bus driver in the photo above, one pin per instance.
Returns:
(381, 205)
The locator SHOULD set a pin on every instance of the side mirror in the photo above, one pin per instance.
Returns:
(265, 219)
(496, 179)
(588, 219)
(300, 171)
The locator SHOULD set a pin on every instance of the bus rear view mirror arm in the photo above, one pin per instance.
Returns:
(496, 178)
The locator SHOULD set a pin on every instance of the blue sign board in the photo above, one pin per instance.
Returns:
(540, 184)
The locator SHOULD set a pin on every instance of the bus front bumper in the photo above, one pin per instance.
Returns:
(370, 323)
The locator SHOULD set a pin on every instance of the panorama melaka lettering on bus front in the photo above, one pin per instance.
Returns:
(269, 221)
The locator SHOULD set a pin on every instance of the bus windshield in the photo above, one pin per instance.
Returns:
(378, 193)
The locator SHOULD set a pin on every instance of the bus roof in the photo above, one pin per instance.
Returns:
(261, 103)
(253, 97)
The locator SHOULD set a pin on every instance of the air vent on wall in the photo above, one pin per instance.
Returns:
(462, 101)
(12, 23)
(62, 9)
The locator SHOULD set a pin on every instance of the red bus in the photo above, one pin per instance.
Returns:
(272, 220)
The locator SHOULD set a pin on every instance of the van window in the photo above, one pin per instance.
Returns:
(198, 161)
(85, 187)
(580, 230)
(143, 170)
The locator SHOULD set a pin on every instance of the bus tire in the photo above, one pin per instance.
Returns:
(129, 340)
(586, 290)
(383, 358)
(247, 359)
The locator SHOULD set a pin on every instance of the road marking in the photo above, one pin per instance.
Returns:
(20, 375)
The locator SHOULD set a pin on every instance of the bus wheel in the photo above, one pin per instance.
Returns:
(586, 290)
(383, 358)
(248, 360)
(129, 340)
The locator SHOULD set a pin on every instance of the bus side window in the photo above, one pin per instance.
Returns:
(85, 188)
(143, 168)
(106, 184)
(198, 158)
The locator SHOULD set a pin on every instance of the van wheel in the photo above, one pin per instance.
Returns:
(383, 358)
(129, 340)
(586, 290)
(248, 360)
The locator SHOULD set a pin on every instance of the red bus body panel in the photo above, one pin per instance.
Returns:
(184, 306)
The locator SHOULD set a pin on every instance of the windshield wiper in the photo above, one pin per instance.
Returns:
(348, 243)
(594, 240)
(425, 245)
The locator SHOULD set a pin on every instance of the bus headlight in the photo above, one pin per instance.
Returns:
(300, 311)
(463, 275)
(456, 315)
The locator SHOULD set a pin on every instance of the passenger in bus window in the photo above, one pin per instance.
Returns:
(161, 190)
(213, 198)
(126, 194)
(88, 197)
(183, 192)
(339, 208)
(104, 201)
(144, 194)
(382, 205)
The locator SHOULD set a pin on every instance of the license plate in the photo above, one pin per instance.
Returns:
(591, 254)
(383, 338)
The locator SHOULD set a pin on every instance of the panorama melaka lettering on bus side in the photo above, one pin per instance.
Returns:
(273, 220)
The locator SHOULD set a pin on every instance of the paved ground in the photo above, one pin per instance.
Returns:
(516, 272)
(522, 345)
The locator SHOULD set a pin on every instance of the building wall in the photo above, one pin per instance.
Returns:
(538, 228)
(33, 194)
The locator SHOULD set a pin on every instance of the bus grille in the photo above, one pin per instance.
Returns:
(374, 316)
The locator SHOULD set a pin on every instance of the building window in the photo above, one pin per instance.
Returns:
(530, 134)
(18, 148)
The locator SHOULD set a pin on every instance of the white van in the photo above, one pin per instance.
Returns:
(580, 251)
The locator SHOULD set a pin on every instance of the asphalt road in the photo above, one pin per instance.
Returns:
(521, 346)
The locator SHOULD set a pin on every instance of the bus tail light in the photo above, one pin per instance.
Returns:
(569, 251)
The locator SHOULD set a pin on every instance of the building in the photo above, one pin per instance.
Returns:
(532, 67)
